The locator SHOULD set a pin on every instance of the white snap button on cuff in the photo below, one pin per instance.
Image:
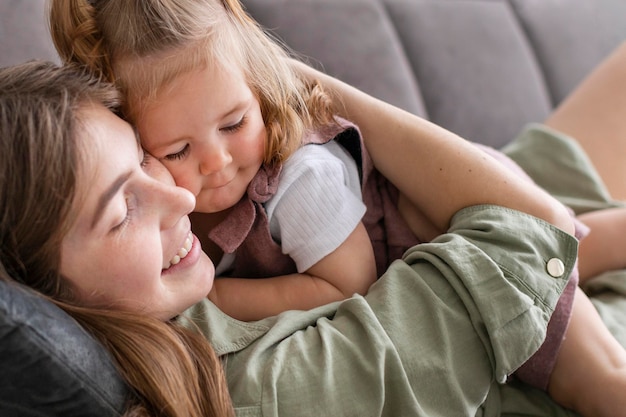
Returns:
(555, 267)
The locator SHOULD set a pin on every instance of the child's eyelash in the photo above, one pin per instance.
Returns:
(178, 155)
(228, 129)
(145, 160)
(236, 126)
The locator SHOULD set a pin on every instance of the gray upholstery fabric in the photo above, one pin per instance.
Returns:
(570, 37)
(481, 68)
(351, 39)
(477, 53)
(24, 32)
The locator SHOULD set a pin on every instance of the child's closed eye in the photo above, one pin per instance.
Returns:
(177, 155)
(235, 127)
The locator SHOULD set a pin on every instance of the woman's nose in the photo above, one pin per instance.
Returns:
(173, 203)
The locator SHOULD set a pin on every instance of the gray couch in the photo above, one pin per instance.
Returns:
(481, 68)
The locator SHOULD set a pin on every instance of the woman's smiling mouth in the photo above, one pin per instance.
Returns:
(182, 252)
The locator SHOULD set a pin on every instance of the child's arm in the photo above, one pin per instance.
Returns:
(316, 215)
(347, 270)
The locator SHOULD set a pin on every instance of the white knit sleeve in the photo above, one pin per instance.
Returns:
(318, 203)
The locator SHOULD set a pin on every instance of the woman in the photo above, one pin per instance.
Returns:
(163, 56)
(102, 246)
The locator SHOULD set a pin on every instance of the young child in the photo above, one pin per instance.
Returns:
(227, 115)
(223, 110)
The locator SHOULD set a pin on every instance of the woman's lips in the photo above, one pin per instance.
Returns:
(186, 256)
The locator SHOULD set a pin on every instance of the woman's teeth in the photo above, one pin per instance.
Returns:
(182, 252)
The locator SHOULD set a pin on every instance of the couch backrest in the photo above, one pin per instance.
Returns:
(481, 68)
(24, 32)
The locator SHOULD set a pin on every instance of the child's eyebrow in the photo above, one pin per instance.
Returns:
(107, 195)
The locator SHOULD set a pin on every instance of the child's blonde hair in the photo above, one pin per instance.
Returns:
(144, 45)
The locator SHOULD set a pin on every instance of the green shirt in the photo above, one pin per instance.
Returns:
(435, 336)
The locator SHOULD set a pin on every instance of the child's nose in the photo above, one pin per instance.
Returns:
(214, 158)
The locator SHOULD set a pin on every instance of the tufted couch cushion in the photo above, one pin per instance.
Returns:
(481, 68)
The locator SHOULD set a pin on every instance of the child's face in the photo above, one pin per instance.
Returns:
(131, 225)
(208, 131)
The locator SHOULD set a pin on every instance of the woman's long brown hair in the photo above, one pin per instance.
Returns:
(41, 156)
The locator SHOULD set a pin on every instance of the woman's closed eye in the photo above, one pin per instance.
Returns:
(127, 218)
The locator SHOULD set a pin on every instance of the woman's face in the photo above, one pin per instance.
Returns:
(130, 246)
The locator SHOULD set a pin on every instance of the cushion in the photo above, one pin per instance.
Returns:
(50, 365)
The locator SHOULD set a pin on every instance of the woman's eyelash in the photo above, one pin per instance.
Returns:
(236, 126)
(127, 218)
(178, 155)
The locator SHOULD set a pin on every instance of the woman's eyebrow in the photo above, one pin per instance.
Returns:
(107, 195)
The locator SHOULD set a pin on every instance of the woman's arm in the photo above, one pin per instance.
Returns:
(437, 171)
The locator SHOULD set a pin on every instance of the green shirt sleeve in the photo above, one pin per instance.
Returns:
(433, 337)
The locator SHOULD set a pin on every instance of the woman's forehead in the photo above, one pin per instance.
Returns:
(108, 147)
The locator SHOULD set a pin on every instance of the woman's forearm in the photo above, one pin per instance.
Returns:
(438, 171)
